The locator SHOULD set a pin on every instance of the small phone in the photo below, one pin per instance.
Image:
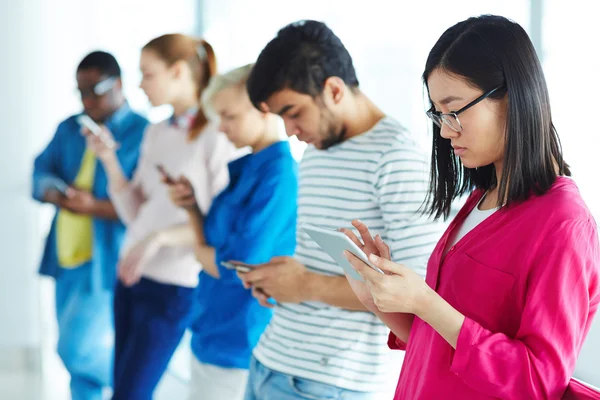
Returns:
(59, 186)
(238, 266)
(92, 126)
(161, 170)
(335, 243)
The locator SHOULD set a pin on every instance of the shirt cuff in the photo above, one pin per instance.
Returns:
(44, 183)
(468, 334)
(394, 343)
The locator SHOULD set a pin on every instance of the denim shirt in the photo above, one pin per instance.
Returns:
(58, 165)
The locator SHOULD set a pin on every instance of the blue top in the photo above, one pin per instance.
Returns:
(252, 220)
(58, 165)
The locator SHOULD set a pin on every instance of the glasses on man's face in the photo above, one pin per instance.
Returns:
(99, 89)
(451, 119)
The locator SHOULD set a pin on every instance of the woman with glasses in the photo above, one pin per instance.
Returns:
(158, 272)
(514, 283)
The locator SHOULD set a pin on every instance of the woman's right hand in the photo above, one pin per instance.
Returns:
(368, 245)
(181, 193)
(100, 144)
(131, 266)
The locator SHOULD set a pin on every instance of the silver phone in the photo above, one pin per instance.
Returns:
(238, 266)
(85, 120)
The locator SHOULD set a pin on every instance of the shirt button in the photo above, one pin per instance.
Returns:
(452, 248)
(324, 361)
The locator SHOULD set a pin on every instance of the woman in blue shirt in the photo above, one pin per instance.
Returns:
(252, 221)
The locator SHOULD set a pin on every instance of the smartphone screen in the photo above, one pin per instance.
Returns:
(164, 173)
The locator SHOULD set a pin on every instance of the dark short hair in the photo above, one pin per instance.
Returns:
(301, 57)
(103, 61)
(489, 52)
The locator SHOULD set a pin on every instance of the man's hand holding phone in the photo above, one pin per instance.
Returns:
(79, 201)
(54, 196)
(239, 266)
(242, 268)
(283, 278)
(70, 198)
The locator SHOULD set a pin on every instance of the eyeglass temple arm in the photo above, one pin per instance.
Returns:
(477, 101)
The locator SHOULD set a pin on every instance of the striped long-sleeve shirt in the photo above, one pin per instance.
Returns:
(379, 177)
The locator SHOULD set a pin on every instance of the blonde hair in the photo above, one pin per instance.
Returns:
(235, 77)
(201, 58)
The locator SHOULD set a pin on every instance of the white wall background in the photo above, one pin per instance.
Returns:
(572, 66)
(41, 44)
(18, 297)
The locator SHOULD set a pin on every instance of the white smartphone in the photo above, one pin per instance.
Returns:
(61, 187)
(85, 120)
(238, 266)
(334, 243)
(56, 184)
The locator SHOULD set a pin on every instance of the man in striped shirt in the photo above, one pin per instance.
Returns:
(322, 343)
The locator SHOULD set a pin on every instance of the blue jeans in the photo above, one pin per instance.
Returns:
(267, 384)
(150, 320)
(85, 333)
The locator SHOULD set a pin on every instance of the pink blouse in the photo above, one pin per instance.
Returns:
(527, 281)
(145, 207)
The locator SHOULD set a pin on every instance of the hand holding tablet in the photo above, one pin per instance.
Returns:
(335, 243)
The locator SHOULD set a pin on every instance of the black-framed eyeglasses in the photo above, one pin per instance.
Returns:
(99, 89)
(451, 119)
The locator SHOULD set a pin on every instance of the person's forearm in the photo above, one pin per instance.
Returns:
(53, 197)
(116, 177)
(441, 316)
(127, 199)
(399, 323)
(48, 188)
(333, 290)
(197, 224)
(204, 254)
(177, 236)
(104, 209)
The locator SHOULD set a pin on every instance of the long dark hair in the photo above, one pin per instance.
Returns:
(488, 52)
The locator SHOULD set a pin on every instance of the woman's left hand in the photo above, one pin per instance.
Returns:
(399, 290)
(103, 145)
(132, 264)
(181, 193)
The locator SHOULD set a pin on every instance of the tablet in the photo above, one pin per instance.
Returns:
(334, 243)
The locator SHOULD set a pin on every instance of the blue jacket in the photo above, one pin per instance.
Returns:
(58, 165)
(252, 220)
